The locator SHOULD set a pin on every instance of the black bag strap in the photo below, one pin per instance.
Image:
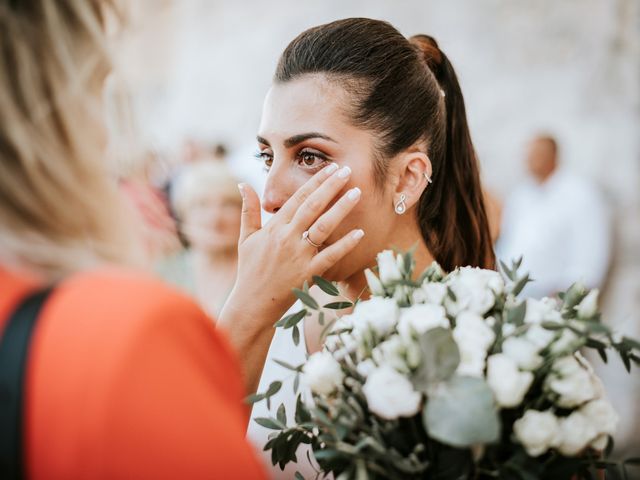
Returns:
(14, 349)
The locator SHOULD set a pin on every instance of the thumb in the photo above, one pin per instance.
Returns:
(250, 221)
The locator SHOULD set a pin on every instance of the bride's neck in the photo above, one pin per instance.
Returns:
(406, 237)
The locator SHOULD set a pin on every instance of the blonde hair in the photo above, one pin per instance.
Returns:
(201, 180)
(59, 205)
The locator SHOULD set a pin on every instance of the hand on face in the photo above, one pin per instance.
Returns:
(275, 258)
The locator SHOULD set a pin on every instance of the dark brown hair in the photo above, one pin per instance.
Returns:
(406, 91)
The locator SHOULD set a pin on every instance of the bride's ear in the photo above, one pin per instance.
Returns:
(414, 176)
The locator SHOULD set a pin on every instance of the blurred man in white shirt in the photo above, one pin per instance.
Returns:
(558, 222)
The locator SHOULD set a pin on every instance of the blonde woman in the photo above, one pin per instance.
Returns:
(208, 205)
(105, 372)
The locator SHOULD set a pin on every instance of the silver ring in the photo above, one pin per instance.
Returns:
(305, 236)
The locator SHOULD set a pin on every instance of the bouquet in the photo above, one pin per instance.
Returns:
(452, 376)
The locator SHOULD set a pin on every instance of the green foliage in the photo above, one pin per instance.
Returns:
(440, 358)
(457, 414)
(462, 413)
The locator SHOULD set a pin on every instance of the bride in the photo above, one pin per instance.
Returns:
(357, 93)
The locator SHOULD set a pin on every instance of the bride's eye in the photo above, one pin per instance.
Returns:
(311, 159)
(266, 158)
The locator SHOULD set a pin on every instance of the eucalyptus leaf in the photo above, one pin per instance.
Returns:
(295, 334)
(603, 354)
(574, 296)
(462, 413)
(326, 286)
(516, 315)
(520, 284)
(281, 414)
(338, 305)
(440, 358)
(631, 343)
(270, 423)
(256, 397)
(326, 454)
(507, 270)
(306, 299)
(294, 318)
(274, 388)
(302, 414)
(288, 366)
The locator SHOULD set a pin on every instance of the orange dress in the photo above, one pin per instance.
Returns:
(126, 378)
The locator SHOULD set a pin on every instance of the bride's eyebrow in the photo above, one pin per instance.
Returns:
(296, 139)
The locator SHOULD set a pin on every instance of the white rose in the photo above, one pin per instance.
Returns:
(390, 394)
(414, 355)
(388, 267)
(375, 285)
(391, 352)
(472, 330)
(508, 329)
(567, 342)
(571, 381)
(602, 416)
(474, 289)
(342, 345)
(322, 373)
(401, 294)
(379, 314)
(365, 367)
(488, 278)
(430, 292)
(589, 305)
(600, 442)
(421, 318)
(538, 335)
(472, 361)
(537, 431)
(545, 310)
(576, 432)
(509, 385)
(523, 352)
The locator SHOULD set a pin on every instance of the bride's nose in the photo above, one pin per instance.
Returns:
(278, 189)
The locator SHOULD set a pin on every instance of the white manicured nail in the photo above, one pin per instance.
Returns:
(331, 168)
(344, 172)
(353, 194)
(358, 234)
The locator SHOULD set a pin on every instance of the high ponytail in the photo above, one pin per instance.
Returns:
(452, 215)
(396, 88)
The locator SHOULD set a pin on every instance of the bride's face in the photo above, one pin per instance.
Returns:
(305, 126)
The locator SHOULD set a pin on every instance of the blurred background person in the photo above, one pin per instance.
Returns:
(207, 203)
(558, 222)
(154, 223)
(105, 372)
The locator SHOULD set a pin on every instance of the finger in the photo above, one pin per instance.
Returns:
(250, 220)
(317, 202)
(327, 223)
(291, 206)
(331, 255)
